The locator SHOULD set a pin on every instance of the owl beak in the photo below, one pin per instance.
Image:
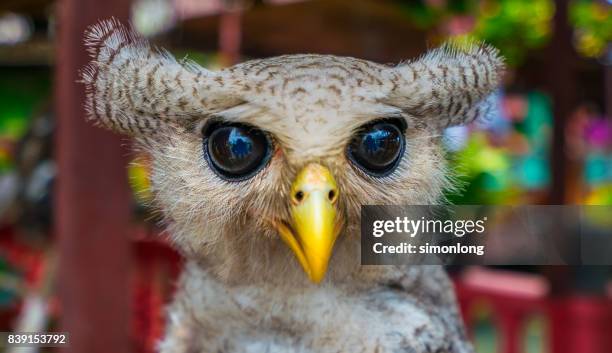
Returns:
(314, 225)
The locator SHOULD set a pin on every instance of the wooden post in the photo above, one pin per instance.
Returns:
(230, 36)
(93, 203)
(608, 88)
(561, 84)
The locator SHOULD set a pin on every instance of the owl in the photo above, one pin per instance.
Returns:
(260, 170)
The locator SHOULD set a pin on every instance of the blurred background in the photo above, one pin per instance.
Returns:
(80, 252)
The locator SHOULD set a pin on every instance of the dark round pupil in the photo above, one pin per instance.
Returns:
(237, 150)
(377, 148)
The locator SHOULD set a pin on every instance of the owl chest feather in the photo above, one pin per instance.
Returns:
(207, 316)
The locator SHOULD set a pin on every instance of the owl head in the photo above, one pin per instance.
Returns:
(260, 169)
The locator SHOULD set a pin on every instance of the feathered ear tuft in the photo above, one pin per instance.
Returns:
(108, 37)
(450, 85)
(139, 90)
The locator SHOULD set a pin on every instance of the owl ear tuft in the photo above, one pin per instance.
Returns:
(139, 90)
(450, 85)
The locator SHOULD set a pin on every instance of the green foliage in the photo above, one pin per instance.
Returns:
(593, 23)
(483, 172)
(8, 275)
(420, 14)
(514, 26)
(517, 26)
(21, 93)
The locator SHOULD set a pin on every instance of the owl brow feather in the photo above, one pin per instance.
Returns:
(137, 89)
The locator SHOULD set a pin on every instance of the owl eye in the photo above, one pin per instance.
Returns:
(377, 147)
(236, 151)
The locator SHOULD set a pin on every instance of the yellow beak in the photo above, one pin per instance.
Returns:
(314, 226)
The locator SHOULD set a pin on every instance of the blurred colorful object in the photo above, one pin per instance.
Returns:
(483, 173)
(593, 24)
(598, 168)
(5, 156)
(510, 157)
(598, 159)
(537, 128)
(599, 133)
(138, 173)
(14, 29)
(9, 284)
(600, 195)
(151, 17)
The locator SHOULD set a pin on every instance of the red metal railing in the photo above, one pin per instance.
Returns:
(576, 324)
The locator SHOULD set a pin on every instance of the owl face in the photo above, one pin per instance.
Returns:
(236, 181)
(268, 162)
